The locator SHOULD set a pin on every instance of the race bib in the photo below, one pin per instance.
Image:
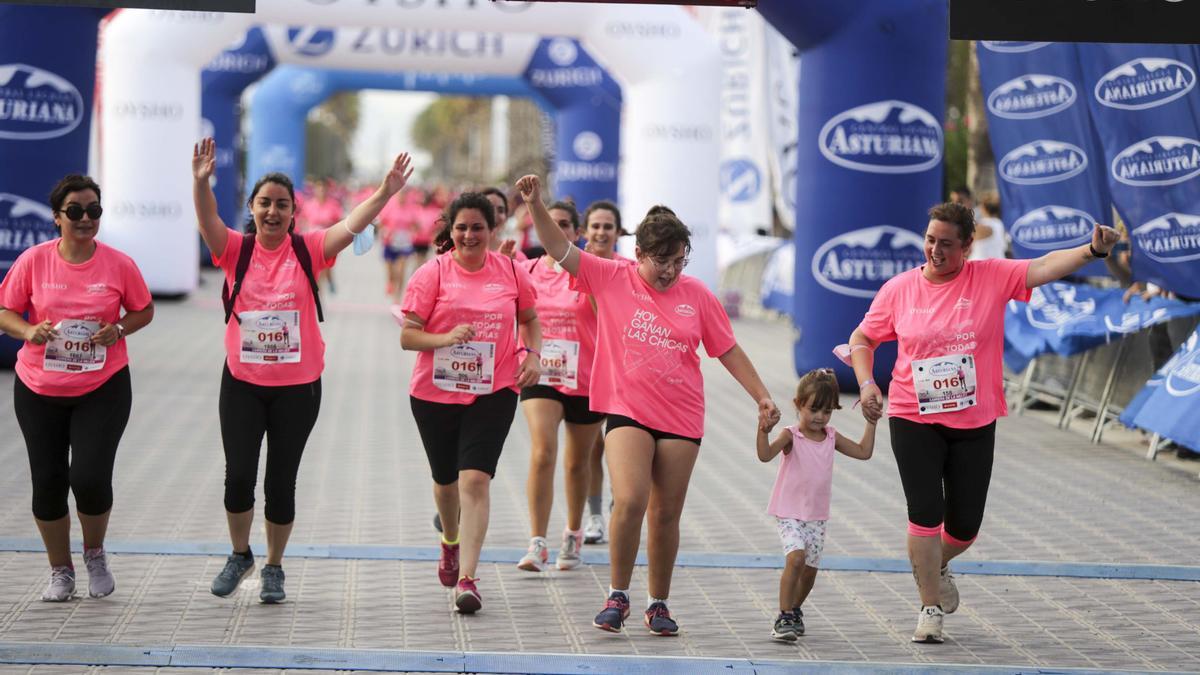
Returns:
(270, 337)
(944, 383)
(560, 363)
(73, 351)
(465, 369)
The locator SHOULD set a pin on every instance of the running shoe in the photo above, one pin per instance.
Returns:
(593, 533)
(62, 584)
(272, 585)
(784, 629)
(798, 620)
(947, 591)
(612, 617)
(448, 565)
(569, 556)
(537, 557)
(100, 579)
(466, 596)
(659, 621)
(237, 567)
(929, 625)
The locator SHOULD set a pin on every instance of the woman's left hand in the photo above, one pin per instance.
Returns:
(107, 336)
(530, 371)
(397, 178)
(768, 414)
(1104, 238)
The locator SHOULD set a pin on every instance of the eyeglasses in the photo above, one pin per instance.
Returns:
(74, 212)
(663, 263)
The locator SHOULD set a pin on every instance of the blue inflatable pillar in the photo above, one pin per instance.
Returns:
(47, 81)
(872, 98)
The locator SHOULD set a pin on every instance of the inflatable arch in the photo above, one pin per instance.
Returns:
(668, 68)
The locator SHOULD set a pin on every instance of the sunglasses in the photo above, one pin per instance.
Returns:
(74, 212)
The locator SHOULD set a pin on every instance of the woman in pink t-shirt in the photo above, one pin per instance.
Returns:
(271, 383)
(568, 321)
(321, 212)
(72, 391)
(464, 312)
(947, 386)
(651, 321)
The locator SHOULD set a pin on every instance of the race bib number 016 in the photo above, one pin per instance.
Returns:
(560, 364)
(73, 351)
(945, 383)
(465, 369)
(270, 337)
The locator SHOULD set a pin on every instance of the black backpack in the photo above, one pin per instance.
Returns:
(243, 264)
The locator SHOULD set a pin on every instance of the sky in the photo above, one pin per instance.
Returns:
(385, 118)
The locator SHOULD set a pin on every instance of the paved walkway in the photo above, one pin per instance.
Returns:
(1125, 533)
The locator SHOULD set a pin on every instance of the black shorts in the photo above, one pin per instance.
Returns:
(421, 248)
(575, 408)
(618, 421)
(458, 437)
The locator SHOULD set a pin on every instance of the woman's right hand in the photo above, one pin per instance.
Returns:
(41, 333)
(459, 334)
(530, 187)
(871, 398)
(204, 159)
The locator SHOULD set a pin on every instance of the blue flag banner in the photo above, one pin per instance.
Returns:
(1146, 110)
(1168, 403)
(1049, 163)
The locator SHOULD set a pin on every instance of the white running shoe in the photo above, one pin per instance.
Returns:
(538, 556)
(100, 579)
(569, 556)
(593, 533)
(929, 625)
(947, 591)
(62, 585)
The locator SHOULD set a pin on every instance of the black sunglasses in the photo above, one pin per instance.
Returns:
(75, 212)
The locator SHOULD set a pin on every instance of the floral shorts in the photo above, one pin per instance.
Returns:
(803, 535)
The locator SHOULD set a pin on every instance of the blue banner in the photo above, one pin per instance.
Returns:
(1146, 108)
(1049, 163)
(1168, 403)
(587, 104)
(869, 159)
(47, 82)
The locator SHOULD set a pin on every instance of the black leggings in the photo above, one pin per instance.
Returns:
(286, 415)
(72, 443)
(945, 473)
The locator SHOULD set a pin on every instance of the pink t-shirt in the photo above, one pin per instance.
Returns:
(49, 287)
(275, 282)
(647, 364)
(565, 315)
(960, 317)
(321, 215)
(804, 485)
(444, 295)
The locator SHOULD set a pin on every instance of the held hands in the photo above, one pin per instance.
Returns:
(204, 159)
(397, 178)
(871, 399)
(107, 336)
(530, 187)
(41, 333)
(530, 371)
(460, 334)
(768, 415)
(1104, 238)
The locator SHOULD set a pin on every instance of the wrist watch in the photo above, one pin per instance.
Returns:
(120, 330)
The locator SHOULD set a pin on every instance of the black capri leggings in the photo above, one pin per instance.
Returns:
(458, 437)
(286, 415)
(945, 473)
(72, 443)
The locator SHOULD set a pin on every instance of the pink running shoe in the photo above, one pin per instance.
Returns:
(448, 565)
(466, 596)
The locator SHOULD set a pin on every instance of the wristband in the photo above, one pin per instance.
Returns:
(120, 330)
(532, 351)
(1095, 253)
(865, 383)
(565, 255)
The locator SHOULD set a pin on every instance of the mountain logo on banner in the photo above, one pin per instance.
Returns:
(1145, 83)
(883, 137)
(1053, 305)
(1043, 161)
(562, 52)
(1011, 47)
(741, 181)
(1183, 375)
(1158, 160)
(857, 263)
(24, 223)
(1031, 96)
(36, 104)
(587, 145)
(1170, 238)
(310, 41)
(1052, 227)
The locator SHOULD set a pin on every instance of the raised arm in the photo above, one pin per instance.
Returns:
(1058, 264)
(212, 228)
(340, 235)
(549, 233)
(742, 370)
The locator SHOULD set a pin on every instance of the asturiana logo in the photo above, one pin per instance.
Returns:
(1011, 46)
(310, 41)
(857, 263)
(24, 223)
(883, 137)
(1145, 83)
(1053, 227)
(1042, 161)
(36, 104)
(1031, 96)
(1170, 238)
(1158, 160)
(1052, 306)
(1183, 379)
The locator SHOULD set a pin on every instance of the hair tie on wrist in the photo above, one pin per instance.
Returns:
(1095, 253)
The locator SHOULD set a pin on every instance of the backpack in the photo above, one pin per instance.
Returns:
(243, 264)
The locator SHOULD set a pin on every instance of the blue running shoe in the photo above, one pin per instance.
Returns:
(612, 617)
(659, 621)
